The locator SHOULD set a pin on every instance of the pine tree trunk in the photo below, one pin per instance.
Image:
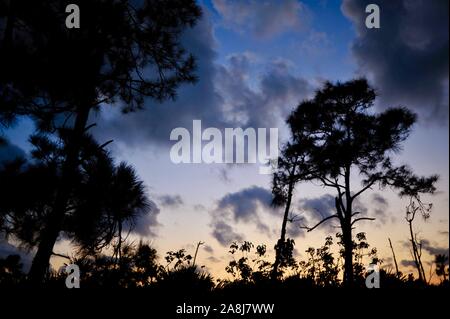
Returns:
(50, 233)
(416, 253)
(346, 225)
(281, 241)
(348, 254)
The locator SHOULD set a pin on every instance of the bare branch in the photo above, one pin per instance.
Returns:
(364, 189)
(326, 182)
(319, 223)
(362, 218)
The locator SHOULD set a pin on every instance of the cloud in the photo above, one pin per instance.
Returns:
(293, 230)
(407, 58)
(263, 19)
(7, 249)
(155, 122)
(317, 209)
(170, 200)
(224, 175)
(208, 249)
(147, 224)
(407, 263)
(358, 206)
(322, 207)
(316, 44)
(434, 249)
(244, 204)
(248, 206)
(225, 96)
(199, 207)
(224, 233)
(277, 91)
(431, 248)
(213, 259)
(380, 210)
(378, 199)
(381, 216)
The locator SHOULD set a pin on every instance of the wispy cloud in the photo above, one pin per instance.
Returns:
(170, 200)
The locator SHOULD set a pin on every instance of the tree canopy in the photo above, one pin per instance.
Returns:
(337, 136)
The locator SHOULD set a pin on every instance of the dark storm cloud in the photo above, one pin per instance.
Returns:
(223, 97)
(407, 58)
(170, 200)
(263, 19)
(224, 233)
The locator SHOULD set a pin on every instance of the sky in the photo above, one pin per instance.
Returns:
(256, 61)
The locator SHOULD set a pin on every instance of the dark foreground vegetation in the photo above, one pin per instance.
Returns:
(249, 271)
(69, 186)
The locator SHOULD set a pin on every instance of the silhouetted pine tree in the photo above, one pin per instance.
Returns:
(336, 136)
(123, 52)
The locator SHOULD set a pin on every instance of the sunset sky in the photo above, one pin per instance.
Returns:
(256, 61)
